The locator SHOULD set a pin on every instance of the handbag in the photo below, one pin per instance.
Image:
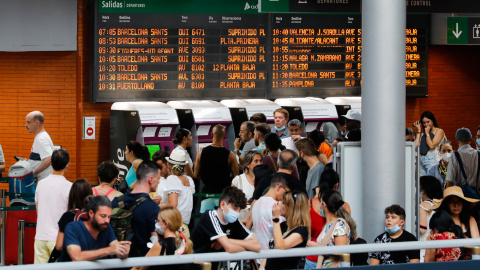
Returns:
(324, 242)
(122, 186)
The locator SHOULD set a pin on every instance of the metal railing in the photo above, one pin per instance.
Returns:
(245, 255)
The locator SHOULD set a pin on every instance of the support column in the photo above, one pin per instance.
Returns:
(383, 110)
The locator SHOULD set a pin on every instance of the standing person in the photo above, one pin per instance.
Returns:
(477, 138)
(175, 242)
(2, 161)
(220, 229)
(280, 117)
(353, 120)
(179, 188)
(409, 135)
(42, 148)
(295, 209)
(246, 181)
(107, 173)
(160, 158)
(135, 153)
(94, 238)
(439, 170)
(261, 130)
(318, 140)
(146, 212)
(443, 228)
(80, 190)
(295, 131)
(306, 150)
(258, 118)
(51, 198)
(430, 189)
(394, 232)
(183, 139)
(246, 134)
(339, 229)
(330, 133)
(429, 141)
(216, 166)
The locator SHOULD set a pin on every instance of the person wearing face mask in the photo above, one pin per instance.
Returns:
(281, 119)
(174, 242)
(394, 232)
(477, 138)
(220, 230)
(430, 189)
(439, 170)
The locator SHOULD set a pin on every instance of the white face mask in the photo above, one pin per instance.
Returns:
(446, 156)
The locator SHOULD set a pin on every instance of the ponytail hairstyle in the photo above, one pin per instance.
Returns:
(177, 169)
(180, 134)
(139, 150)
(173, 217)
(443, 222)
(328, 179)
(333, 201)
(298, 210)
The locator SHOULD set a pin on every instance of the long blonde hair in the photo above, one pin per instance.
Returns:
(298, 211)
(173, 217)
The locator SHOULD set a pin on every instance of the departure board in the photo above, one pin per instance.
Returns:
(218, 49)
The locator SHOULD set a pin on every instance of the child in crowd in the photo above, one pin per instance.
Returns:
(443, 228)
(394, 221)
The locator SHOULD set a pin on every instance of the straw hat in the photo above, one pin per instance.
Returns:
(177, 157)
(454, 191)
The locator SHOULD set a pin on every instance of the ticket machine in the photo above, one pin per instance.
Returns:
(342, 108)
(153, 124)
(238, 113)
(312, 112)
(354, 102)
(253, 106)
(200, 117)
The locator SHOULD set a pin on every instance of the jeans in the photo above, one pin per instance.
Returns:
(310, 265)
(426, 162)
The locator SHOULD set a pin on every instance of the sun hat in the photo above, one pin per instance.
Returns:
(177, 157)
(453, 191)
(353, 115)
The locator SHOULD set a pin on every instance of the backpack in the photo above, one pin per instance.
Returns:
(121, 219)
(20, 180)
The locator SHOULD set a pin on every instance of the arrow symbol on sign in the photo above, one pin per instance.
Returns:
(456, 33)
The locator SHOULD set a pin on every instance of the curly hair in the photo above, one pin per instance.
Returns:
(234, 196)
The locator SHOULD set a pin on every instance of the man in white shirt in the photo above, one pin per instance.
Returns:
(42, 148)
(295, 130)
(51, 199)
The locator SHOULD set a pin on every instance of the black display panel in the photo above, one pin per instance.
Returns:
(215, 49)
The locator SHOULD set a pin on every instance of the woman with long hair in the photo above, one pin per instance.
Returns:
(294, 208)
(443, 228)
(430, 189)
(80, 190)
(429, 141)
(439, 170)
(339, 229)
(246, 180)
(135, 154)
(179, 188)
(183, 140)
(174, 242)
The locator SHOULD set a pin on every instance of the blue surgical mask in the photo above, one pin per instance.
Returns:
(280, 128)
(321, 212)
(393, 230)
(159, 229)
(478, 142)
(231, 216)
(343, 133)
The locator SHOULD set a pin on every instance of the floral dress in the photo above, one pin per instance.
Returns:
(341, 228)
(446, 254)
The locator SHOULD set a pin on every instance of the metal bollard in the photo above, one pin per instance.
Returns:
(344, 259)
(475, 252)
(21, 242)
(2, 240)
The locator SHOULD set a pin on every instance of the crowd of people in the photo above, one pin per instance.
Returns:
(277, 189)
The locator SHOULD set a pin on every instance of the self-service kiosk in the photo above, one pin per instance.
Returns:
(200, 117)
(312, 112)
(238, 113)
(253, 106)
(153, 124)
(342, 108)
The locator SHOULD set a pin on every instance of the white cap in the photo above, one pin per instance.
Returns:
(354, 115)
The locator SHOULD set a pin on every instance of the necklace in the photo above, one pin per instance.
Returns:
(214, 144)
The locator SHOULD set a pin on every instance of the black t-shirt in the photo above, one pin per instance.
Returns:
(359, 258)
(210, 228)
(289, 262)
(214, 170)
(143, 221)
(168, 247)
(394, 257)
(265, 182)
(66, 218)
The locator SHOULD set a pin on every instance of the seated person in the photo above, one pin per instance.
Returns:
(94, 238)
(394, 221)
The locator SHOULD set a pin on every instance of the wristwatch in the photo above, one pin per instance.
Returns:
(276, 220)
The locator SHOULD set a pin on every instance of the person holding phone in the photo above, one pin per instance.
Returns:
(429, 141)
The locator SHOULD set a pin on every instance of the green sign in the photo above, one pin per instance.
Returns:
(274, 6)
(457, 30)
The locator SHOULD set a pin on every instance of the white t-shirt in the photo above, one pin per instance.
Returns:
(2, 157)
(241, 182)
(262, 220)
(187, 156)
(289, 143)
(51, 197)
(185, 195)
(162, 184)
(42, 148)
